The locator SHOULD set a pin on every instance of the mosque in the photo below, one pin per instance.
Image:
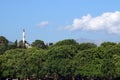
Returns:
(24, 42)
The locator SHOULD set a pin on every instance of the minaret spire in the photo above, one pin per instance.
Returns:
(23, 36)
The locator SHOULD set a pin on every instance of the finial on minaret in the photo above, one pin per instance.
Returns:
(23, 36)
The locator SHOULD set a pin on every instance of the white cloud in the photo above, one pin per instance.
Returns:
(109, 21)
(43, 24)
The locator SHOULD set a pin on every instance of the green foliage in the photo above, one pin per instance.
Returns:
(108, 68)
(59, 60)
(108, 44)
(84, 46)
(13, 46)
(3, 48)
(116, 60)
(66, 58)
(66, 42)
(88, 63)
(22, 62)
(3, 44)
(12, 62)
(39, 44)
(3, 40)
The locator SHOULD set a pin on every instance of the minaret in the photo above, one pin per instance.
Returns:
(23, 36)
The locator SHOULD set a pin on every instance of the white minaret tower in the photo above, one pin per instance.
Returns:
(23, 36)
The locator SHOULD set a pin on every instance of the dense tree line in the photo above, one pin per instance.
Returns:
(64, 60)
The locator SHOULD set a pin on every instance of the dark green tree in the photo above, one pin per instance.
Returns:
(3, 40)
(39, 44)
(59, 61)
(3, 44)
(23, 63)
(109, 65)
(84, 46)
(88, 63)
(66, 42)
(14, 45)
(116, 61)
(107, 44)
(50, 44)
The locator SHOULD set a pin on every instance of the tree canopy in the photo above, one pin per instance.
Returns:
(39, 44)
(3, 44)
(64, 60)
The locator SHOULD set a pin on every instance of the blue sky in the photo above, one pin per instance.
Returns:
(55, 20)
